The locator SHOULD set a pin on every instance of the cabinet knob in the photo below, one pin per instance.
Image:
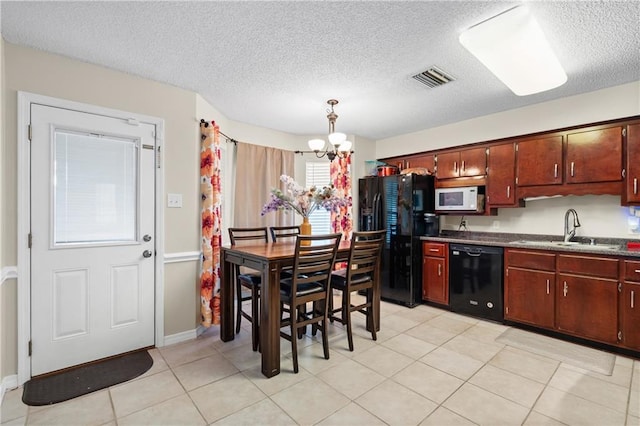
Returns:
(565, 289)
(555, 170)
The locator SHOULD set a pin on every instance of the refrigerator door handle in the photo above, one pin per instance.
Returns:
(376, 213)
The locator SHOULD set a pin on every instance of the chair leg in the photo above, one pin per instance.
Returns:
(294, 341)
(372, 317)
(325, 338)
(239, 307)
(255, 302)
(346, 316)
(331, 306)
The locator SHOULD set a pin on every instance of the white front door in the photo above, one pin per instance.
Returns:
(93, 237)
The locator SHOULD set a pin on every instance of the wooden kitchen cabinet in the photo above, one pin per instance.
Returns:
(630, 305)
(587, 297)
(465, 163)
(594, 156)
(631, 191)
(529, 287)
(428, 161)
(501, 176)
(539, 161)
(435, 273)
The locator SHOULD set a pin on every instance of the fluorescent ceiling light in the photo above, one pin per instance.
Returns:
(514, 48)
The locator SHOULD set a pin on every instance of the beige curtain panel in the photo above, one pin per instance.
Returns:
(258, 170)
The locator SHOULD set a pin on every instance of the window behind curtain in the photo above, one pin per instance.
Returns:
(319, 174)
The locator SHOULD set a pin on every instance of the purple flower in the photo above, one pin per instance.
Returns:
(304, 201)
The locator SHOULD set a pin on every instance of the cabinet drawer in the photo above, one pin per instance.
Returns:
(632, 270)
(531, 260)
(588, 265)
(434, 249)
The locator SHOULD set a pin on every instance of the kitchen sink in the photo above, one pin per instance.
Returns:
(572, 244)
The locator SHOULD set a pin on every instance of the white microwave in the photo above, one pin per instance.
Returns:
(462, 199)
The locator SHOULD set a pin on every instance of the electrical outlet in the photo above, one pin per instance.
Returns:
(495, 224)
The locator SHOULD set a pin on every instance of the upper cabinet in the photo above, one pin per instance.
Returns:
(631, 192)
(426, 161)
(596, 159)
(575, 162)
(464, 163)
(501, 176)
(594, 156)
(539, 161)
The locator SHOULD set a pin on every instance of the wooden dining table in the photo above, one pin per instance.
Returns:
(269, 259)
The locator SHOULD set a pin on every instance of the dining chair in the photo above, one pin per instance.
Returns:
(280, 232)
(360, 275)
(248, 280)
(309, 283)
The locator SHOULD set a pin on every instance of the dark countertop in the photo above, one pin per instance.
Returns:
(603, 246)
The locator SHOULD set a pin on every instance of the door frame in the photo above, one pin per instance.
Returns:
(25, 99)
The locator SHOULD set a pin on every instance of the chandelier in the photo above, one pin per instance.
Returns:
(340, 146)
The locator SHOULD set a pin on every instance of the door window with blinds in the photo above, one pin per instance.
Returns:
(319, 174)
(95, 188)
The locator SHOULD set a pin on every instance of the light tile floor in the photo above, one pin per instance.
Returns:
(428, 367)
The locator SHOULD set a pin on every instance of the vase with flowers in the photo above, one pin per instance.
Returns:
(303, 201)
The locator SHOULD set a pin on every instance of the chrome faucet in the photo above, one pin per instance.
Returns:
(569, 234)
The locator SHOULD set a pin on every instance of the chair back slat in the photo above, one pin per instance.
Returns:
(248, 234)
(278, 233)
(314, 262)
(364, 256)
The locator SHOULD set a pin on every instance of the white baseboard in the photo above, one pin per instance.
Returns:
(180, 337)
(8, 383)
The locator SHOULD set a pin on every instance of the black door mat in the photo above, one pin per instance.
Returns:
(88, 378)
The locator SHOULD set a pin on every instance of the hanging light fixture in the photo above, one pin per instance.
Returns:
(340, 146)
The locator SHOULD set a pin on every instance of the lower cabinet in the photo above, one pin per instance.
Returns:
(435, 273)
(529, 287)
(587, 307)
(579, 295)
(530, 297)
(630, 305)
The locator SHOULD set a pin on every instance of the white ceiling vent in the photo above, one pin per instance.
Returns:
(433, 77)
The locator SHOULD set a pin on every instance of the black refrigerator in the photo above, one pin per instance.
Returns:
(397, 204)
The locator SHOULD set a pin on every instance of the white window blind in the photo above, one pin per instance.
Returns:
(96, 181)
(319, 174)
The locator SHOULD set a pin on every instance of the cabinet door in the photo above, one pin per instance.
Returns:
(632, 164)
(587, 307)
(501, 175)
(630, 310)
(434, 282)
(594, 156)
(427, 161)
(473, 162)
(529, 296)
(539, 162)
(448, 165)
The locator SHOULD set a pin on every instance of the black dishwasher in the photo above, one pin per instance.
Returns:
(475, 280)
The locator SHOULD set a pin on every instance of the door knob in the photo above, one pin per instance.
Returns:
(146, 238)
(146, 253)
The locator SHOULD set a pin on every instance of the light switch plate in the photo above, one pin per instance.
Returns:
(174, 200)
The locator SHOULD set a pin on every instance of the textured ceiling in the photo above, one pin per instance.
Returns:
(274, 64)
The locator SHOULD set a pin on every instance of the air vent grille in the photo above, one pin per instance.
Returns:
(433, 77)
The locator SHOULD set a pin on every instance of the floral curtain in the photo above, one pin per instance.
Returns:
(342, 221)
(211, 213)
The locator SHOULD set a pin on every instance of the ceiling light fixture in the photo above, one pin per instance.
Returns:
(340, 146)
(514, 48)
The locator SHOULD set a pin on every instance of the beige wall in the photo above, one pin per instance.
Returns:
(601, 216)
